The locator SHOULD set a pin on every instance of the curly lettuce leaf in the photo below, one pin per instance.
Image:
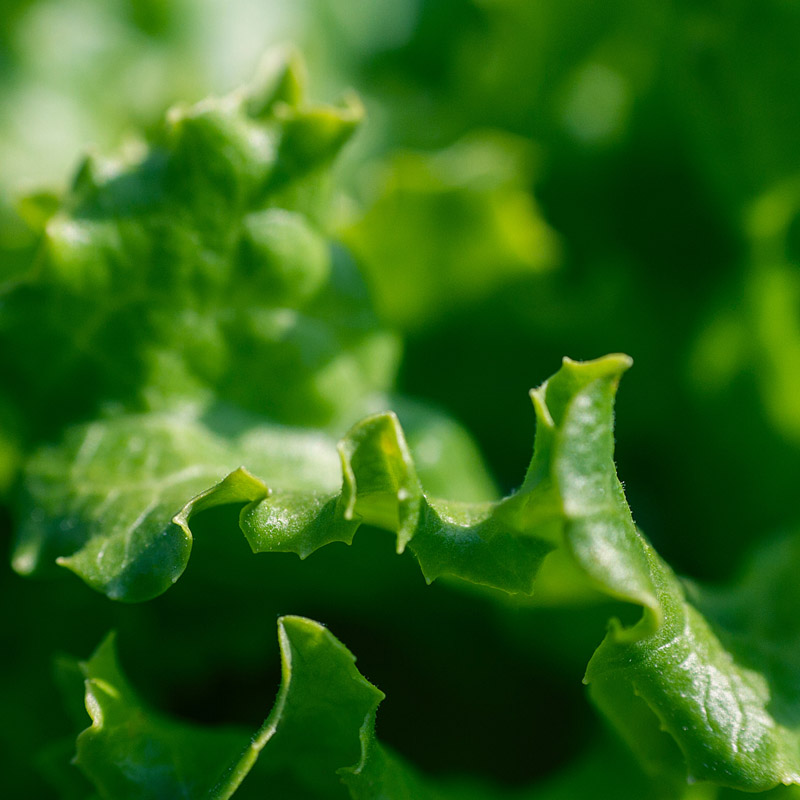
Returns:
(690, 703)
(318, 742)
(720, 676)
(103, 502)
(696, 693)
(130, 751)
(164, 278)
(114, 502)
(323, 709)
(198, 257)
(729, 719)
(672, 672)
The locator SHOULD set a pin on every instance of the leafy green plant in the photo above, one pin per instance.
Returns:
(190, 341)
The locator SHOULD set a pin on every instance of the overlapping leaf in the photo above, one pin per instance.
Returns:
(188, 309)
(685, 689)
(115, 501)
(187, 302)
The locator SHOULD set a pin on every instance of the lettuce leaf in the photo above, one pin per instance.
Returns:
(199, 257)
(680, 686)
(319, 741)
(670, 669)
(441, 219)
(162, 280)
(131, 751)
(206, 344)
(114, 502)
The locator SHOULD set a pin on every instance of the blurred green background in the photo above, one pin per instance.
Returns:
(535, 178)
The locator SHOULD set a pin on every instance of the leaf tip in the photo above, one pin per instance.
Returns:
(612, 364)
(295, 630)
(281, 77)
(538, 397)
(67, 562)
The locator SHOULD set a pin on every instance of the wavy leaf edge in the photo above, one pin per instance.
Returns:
(571, 494)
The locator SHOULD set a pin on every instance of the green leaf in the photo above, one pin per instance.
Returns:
(440, 218)
(724, 707)
(319, 738)
(322, 714)
(671, 672)
(495, 544)
(726, 714)
(315, 728)
(132, 752)
(196, 259)
(113, 502)
(674, 670)
(730, 716)
(720, 677)
(381, 489)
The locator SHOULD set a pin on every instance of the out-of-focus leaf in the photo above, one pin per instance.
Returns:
(175, 271)
(164, 279)
(450, 226)
(760, 335)
(723, 73)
